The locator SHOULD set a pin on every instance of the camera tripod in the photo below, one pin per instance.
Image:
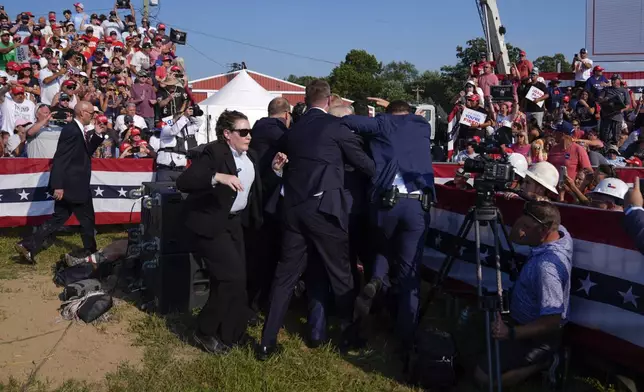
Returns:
(477, 216)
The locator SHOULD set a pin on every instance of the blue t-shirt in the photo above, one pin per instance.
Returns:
(593, 84)
(543, 287)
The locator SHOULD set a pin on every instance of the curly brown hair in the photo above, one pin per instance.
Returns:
(227, 121)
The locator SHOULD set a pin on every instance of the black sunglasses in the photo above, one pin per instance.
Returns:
(242, 132)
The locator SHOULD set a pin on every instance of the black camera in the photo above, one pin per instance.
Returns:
(135, 150)
(196, 111)
(490, 170)
(493, 175)
(123, 4)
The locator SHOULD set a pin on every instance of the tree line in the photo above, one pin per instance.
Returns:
(361, 75)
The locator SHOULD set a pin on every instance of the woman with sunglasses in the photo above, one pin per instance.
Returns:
(224, 194)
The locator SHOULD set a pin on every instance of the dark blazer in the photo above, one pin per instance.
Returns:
(318, 147)
(398, 144)
(206, 208)
(72, 163)
(634, 226)
(266, 133)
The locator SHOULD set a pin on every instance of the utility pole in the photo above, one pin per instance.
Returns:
(146, 8)
(418, 90)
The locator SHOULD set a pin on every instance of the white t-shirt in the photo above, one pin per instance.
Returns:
(140, 60)
(108, 27)
(12, 111)
(584, 73)
(44, 143)
(48, 91)
(139, 122)
(13, 143)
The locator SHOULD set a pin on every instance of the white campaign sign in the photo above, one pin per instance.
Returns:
(535, 93)
(472, 116)
(22, 54)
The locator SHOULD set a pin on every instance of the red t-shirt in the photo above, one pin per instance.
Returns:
(574, 158)
(524, 67)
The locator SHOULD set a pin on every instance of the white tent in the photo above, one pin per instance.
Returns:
(242, 94)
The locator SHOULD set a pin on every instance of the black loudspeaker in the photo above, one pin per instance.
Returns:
(178, 37)
(162, 220)
(176, 283)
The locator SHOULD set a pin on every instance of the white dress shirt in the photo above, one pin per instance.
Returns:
(400, 184)
(246, 174)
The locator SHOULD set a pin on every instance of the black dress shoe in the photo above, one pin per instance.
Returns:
(365, 299)
(25, 253)
(265, 352)
(210, 344)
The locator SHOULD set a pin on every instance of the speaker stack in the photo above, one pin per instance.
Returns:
(174, 278)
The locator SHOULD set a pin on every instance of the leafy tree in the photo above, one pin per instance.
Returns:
(302, 80)
(358, 76)
(403, 71)
(394, 89)
(549, 63)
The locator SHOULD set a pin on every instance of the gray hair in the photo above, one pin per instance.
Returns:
(341, 110)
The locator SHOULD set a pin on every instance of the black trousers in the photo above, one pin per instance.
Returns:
(609, 131)
(310, 236)
(169, 175)
(226, 313)
(63, 209)
(262, 254)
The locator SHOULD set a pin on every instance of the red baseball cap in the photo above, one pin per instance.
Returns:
(12, 65)
(522, 53)
(141, 143)
(101, 119)
(598, 68)
(135, 132)
(103, 75)
(17, 90)
(25, 66)
(161, 26)
(635, 161)
(474, 97)
(477, 139)
(121, 83)
(175, 68)
(124, 146)
(109, 40)
(566, 98)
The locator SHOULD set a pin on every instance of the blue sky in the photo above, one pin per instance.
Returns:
(424, 32)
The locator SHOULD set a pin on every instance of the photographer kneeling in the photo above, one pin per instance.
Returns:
(540, 297)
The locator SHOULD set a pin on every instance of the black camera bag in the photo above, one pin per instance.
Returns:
(432, 360)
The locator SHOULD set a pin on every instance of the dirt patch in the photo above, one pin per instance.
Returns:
(31, 326)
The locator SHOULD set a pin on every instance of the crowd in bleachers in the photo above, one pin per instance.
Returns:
(584, 131)
(127, 69)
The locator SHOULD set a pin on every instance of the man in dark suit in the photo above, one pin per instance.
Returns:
(224, 194)
(69, 179)
(401, 193)
(634, 215)
(263, 245)
(316, 209)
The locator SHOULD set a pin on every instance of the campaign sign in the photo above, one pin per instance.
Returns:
(22, 54)
(472, 116)
(533, 94)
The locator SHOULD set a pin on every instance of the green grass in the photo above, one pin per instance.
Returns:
(170, 363)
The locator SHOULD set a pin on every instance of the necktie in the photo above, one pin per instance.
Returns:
(87, 134)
